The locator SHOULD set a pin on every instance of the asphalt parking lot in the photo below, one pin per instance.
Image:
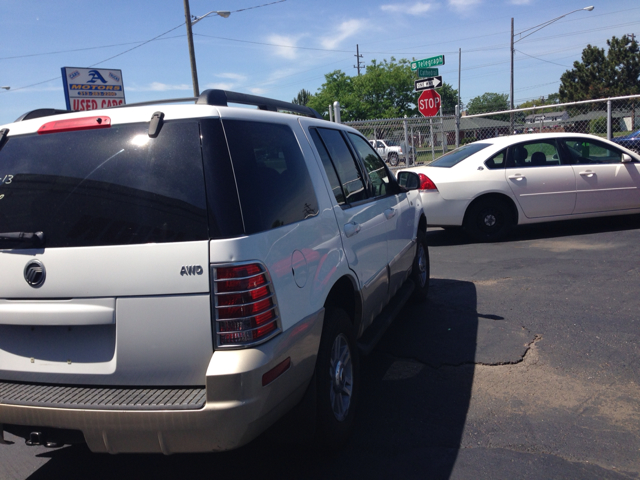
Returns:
(524, 363)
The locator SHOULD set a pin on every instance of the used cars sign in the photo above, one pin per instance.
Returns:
(92, 88)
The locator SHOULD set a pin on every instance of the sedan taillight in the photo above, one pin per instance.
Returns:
(245, 306)
(426, 183)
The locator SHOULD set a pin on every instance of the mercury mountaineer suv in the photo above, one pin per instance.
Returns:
(175, 277)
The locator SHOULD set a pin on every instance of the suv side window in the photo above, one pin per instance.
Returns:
(274, 185)
(348, 173)
(591, 151)
(373, 165)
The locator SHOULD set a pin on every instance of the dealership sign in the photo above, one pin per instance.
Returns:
(92, 88)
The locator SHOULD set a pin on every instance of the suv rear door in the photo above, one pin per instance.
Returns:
(124, 260)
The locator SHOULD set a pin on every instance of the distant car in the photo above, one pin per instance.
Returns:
(631, 141)
(488, 187)
(390, 151)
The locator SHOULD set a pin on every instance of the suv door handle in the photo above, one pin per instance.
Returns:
(350, 229)
(389, 213)
(588, 173)
(517, 177)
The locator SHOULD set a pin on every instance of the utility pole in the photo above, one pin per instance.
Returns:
(632, 36)
(358, 57)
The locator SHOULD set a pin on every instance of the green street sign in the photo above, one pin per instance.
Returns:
(428, 72)
(427, 62)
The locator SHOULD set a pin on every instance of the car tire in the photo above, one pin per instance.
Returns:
(393, 159)
(420, 273)
(337, 380)
(488, 220)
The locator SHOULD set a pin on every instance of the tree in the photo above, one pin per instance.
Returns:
(385, 90)
(302, 98)
(490, 102)
(601, 75)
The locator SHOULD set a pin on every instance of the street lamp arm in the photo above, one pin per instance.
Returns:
(547, 23)
(222, 13)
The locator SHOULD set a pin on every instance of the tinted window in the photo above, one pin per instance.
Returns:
(458, 155)
(590, 151)
(111, 186)
(273, 181)
(497, 161)
(348, 173)
(373, 164)
(534, 154)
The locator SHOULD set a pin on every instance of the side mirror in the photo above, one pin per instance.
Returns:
(409, 180)
(626, 158)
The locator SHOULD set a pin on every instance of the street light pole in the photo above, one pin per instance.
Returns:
(535, 29)
(190, 21)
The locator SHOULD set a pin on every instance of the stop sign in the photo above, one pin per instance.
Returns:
(429, 103)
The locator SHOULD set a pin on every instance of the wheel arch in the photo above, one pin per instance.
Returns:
(344, 294)
(495, 196)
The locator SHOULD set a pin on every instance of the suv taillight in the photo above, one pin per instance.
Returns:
(245, 305)
(426, 183)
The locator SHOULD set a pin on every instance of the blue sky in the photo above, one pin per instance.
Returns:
(279, 49)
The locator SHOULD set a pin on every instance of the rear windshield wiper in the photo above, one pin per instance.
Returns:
(33, 238)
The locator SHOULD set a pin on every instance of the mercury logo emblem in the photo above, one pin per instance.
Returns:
(34, 273)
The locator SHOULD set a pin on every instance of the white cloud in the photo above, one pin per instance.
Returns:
(345, 30)
(418, 8)
(463, 4)
(232, 76)
(159, 87)
(220, 85)
(287, 42)
(520, 2)
(258, 91)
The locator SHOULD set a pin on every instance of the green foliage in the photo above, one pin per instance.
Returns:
(598, 126)
(490, 102)
(601, 75)
(385, 90)
(302, 98)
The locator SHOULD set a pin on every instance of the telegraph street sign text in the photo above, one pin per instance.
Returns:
(427, 62)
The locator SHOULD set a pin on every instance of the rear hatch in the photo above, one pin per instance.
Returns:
(104, 254)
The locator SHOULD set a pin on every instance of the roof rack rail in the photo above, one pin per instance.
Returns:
(223, 98)
(220, 98)
(41, 112)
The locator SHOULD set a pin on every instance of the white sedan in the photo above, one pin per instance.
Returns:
(489, 186)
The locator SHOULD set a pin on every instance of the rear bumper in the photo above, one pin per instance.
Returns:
(237, 408)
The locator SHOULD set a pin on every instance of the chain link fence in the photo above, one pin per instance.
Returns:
(421, 140)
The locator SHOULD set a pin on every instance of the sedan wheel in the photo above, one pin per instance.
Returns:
(488, 221)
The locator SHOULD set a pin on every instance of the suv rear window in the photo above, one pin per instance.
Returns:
(112, 186)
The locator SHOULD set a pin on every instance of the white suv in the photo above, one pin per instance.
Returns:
(176, 277)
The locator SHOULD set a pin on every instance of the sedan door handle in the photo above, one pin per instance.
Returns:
(390, 213)
(517, 177)
(350, 229)
(588, 173)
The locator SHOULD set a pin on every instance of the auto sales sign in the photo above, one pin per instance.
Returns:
(92, 88)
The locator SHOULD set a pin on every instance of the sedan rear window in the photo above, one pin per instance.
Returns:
(458, 155)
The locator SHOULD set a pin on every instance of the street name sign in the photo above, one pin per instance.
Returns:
(429, 103)
(428, 72)
(92, 88)
(427, 62)
(428, 83)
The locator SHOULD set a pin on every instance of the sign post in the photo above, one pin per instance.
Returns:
(92, 88)
(429, 103)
